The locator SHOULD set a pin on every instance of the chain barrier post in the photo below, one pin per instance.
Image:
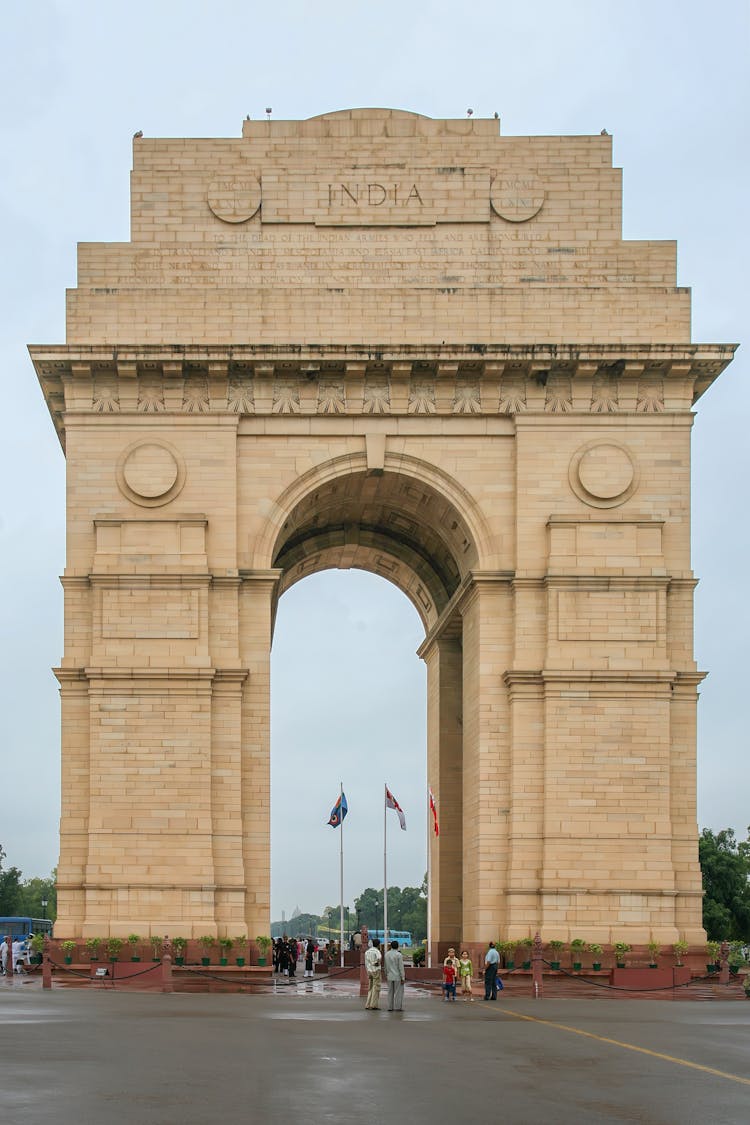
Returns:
(724, 963)
(363, 981)
(46, 965)
(167, 985)
(537, 989)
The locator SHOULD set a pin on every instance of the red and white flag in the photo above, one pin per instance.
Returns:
(392, 803)
(433, 810)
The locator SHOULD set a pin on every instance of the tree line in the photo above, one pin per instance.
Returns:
(725, 865)
(19, 896)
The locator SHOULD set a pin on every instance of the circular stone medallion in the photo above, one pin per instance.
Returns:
(150, 473)
(234, 201)
(516, 196)
(603, 475)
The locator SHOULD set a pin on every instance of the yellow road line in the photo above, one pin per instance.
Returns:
(631, 1047)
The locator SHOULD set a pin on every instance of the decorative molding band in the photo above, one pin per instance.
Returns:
(341, 380)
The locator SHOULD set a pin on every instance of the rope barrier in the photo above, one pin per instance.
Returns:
(132, 976)
(623, 988)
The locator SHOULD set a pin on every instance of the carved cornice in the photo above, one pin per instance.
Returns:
(410, 380)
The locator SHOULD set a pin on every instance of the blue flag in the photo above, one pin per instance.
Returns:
(338, 812)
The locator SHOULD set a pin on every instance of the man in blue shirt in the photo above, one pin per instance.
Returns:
(491, 962)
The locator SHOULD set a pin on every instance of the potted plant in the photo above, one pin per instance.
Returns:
(208, 942)
(577, 947)
(156, 947)
(558, 947)
(37, 948)
(114, 946)
(679, 949)
(68, 948)
(527, 943)
(735, 962)
(596, 950)
(417, 957)
(508, 949)
(621, 948)
(179, 944)
(654, 950)
(240, 943)
(264, 944)
(133, 940)
(92, 944)
(226, 944)
(712, 947)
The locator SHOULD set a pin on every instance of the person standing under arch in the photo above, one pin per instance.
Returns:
(373, 960)
(395, 976)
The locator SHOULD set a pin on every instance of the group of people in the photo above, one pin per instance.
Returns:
(461, 969)
(455, 969)
(18, 955)
(288, 951)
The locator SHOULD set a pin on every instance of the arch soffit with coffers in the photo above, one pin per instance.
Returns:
(408, 572)
(414, 568)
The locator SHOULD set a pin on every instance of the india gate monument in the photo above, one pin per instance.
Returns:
(422, 349)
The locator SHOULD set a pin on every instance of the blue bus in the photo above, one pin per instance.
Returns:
(403, 937)
(20, 927)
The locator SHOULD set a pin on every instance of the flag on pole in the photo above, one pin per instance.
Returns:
(338, 812)
(433, 810)
(392, 803)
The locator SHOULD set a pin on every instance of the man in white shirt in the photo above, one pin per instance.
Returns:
(395, 976)
(373, 960)
(17, 956)
(4, 950)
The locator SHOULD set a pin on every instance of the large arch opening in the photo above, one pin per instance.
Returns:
(348, 704)
(407, 531)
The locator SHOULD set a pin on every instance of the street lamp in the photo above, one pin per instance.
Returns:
(44, 908)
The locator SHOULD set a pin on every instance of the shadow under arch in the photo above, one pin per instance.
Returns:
(408, 523)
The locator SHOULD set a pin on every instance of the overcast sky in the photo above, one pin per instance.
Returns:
(669, 80)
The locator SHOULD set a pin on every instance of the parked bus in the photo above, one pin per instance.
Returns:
(20, 927)
(403, 937)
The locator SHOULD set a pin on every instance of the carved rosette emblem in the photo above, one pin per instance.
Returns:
(377, 396)
(650, 396)
(512, 394)
(150, 473)
(286, 397)
(240, 399)
(105, 398)
(195, 398)
(467, 398)
(421, 398)
(603, 474)
(604, 399)
(516, 196)
(331, 397)
(234, 201)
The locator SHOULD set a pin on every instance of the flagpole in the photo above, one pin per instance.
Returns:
(341, 880)
(429, 886)
(385, 870)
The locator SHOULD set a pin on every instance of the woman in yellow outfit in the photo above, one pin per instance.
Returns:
(465, 971)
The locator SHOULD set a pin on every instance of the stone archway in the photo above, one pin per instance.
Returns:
(393, 523)
(455, 374)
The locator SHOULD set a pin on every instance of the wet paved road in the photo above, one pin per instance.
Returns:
(95, 1058)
